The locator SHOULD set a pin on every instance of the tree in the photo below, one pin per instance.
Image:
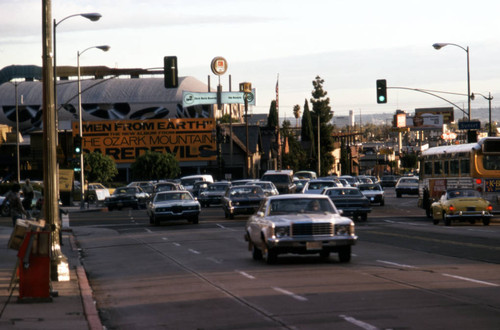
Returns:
(307, 134)
(322, 110)
(99, 168)
(272, 118)
(296, 158)
(154, 166)
(296, 114)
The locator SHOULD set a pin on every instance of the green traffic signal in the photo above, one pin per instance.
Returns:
(77, 145)
(381, 91)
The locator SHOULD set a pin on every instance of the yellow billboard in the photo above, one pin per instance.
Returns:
(191, 139)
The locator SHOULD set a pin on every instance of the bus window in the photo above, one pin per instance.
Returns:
(438, 168)
(491, 162)
(464, 167)
(446, 164)
(428, 168)
(454, 168)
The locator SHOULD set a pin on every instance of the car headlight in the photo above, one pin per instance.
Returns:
(280, 232)
(343, 229)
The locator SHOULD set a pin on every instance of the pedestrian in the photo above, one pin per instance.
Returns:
(28, 195)
(16, 207)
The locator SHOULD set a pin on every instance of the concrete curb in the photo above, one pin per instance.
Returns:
(89, 307)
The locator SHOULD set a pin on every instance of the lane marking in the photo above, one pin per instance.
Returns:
(469, 279)
(176, 244)
(288, 293)
(246, 275)
(194, 251)
(395, 264)
(164, 238)
(148, 230)
(217, 261)
(358, 323)
(220, 226)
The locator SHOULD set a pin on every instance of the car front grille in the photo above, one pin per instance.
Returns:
(312, 229)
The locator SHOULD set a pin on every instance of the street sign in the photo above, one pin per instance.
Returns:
(194, 98)
(469, 125)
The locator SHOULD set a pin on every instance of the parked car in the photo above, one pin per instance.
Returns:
(5, 207)
(242, 200)
(282, 179)
(350, 201)
(300, 224)
(388, 180)
(353, 181)
(461, 205)
(268, 187)
(213, 194)
(147, 186)
(188, 181)
(96, 192)
(316, 186)
(374, 192)
(133, 197)
(407, 186)
(172, 205)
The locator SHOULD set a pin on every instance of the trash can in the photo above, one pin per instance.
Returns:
(34, 267)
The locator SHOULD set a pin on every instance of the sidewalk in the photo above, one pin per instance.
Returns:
(72, 307)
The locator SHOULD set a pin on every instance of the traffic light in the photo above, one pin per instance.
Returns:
(77, 144)
(381, 91)
(170, 72)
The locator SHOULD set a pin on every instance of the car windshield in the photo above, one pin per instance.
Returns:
(276, 178)
(217, 187)
(343, 192)
(462, 193)
(166, 187)
(127, 190)
(408, 181)
(300, 205)
(243, 191)
(172, 197)
(320, 185)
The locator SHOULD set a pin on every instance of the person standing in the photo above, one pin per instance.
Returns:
(16, 207)
(28, 195)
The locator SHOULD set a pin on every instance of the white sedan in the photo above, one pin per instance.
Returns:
(300, 224)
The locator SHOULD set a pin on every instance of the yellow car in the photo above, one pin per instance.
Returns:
(461, 205)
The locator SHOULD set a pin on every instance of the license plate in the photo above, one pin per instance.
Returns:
(313, 246)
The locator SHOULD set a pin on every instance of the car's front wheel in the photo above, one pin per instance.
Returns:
(446, 220)
(271, 256)
(256, 253)
(345, 254)
(486, 221)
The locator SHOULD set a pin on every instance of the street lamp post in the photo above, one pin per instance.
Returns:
(90, 16)
(489, 98)
(104, 48)
(466, 49)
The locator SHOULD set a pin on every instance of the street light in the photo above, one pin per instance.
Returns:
(90, 16)
(489, 98)
(104, 48)
(466, 49)
(15, 83)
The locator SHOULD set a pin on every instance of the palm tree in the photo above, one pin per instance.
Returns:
(296, 114)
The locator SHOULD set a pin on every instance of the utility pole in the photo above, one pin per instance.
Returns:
(59, 263)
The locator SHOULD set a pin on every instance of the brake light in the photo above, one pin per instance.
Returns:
(489, 208)
(452, 208)
(479, 181)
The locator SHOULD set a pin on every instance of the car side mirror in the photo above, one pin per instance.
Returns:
(341, 212)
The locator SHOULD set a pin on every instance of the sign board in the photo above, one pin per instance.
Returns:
(424, 120)
(446, 112)
(190, 139)
(194, 98)
(65, 180)
(469, 125)
(219, 65)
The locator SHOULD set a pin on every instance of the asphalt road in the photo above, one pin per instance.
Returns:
(406, 273)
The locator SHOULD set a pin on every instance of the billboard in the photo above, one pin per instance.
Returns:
(125, 140)
(445, 112)
(424, 120)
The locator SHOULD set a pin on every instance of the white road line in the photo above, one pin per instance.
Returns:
(148, 230)
(217, 261)
(220, 226)
(291, 294)
(246, 275)
(176, 244)
(194, 251)
(470, 279)
(164, 238)
(395, 264)
(358, 323)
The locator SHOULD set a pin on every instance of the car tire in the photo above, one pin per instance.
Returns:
(256, 253)
(110, 208)
(382, 203)
(6, 210)
(151, 220)
(446, 220)
(398, 195)
(156, 221)
(231, 216)
(486, 221)
(345, 254)
(195, 220)
(226, 214)
(428, 212)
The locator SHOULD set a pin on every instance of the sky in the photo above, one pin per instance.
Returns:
(349, 44)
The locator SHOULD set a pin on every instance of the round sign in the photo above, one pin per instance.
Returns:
(219, 65)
